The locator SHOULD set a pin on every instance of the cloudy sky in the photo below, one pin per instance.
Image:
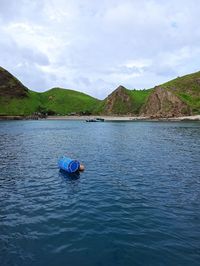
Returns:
(93, 46)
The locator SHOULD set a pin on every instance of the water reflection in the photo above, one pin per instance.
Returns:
(69, 176)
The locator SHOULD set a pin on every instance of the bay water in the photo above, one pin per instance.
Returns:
(136, 203)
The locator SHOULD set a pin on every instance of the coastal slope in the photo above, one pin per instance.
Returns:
(163, 103)
(62, 101)
(16, 99)
(123, 102)
(11, 87)
(178, 97)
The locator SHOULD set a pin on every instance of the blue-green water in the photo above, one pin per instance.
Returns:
(137, 203)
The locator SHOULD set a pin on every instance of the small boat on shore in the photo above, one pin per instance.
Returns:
(100, 119)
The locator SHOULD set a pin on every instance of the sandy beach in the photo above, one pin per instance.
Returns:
(106, 118)
(125, 118)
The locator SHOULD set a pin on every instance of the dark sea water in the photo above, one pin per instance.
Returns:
(137, 203)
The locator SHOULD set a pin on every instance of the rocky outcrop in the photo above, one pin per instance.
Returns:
(10, 86)
(164, 103)
(118, 102)
(179, 97)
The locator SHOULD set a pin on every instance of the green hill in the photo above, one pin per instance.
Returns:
(16, 99)
(180, 96)
(188, 89)
(123, 101)
(20, 106)
(55, 101)
(62, 101)
(10, 86)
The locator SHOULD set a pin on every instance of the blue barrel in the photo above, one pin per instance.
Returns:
(68, 164)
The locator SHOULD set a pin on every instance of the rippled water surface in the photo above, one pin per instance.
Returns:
(137, 203)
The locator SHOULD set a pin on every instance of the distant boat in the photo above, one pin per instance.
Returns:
(95, 120)
(100, 119)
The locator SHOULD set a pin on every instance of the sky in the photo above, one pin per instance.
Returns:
(94, 46)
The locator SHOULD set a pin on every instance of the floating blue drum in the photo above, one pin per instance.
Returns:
(68, 165)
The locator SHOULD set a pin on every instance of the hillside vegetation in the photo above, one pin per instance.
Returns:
(62, 101)
(16, 99)
(54, 101)
(20, 106)
(180, 96)
(123, 101)
(188, 89)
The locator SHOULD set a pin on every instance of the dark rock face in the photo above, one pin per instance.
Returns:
(163, 103)
(10, 86)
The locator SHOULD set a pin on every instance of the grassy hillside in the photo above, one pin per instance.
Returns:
(62, 101)
(188, 89)
(55, 101)
(20, 106)
(16, 99)
(139, 98)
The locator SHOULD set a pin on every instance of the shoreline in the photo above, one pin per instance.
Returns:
(106, 118)
(125, 118)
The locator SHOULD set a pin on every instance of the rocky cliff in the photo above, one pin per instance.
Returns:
(10, 86)
(178, 97)
(164, 103)
(118, 102)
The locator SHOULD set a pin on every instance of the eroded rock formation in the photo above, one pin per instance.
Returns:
(164, 103)
(118, 102)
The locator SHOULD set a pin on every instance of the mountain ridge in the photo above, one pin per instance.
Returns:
(178, 97)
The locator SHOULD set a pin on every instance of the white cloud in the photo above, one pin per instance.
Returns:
(93, 46)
